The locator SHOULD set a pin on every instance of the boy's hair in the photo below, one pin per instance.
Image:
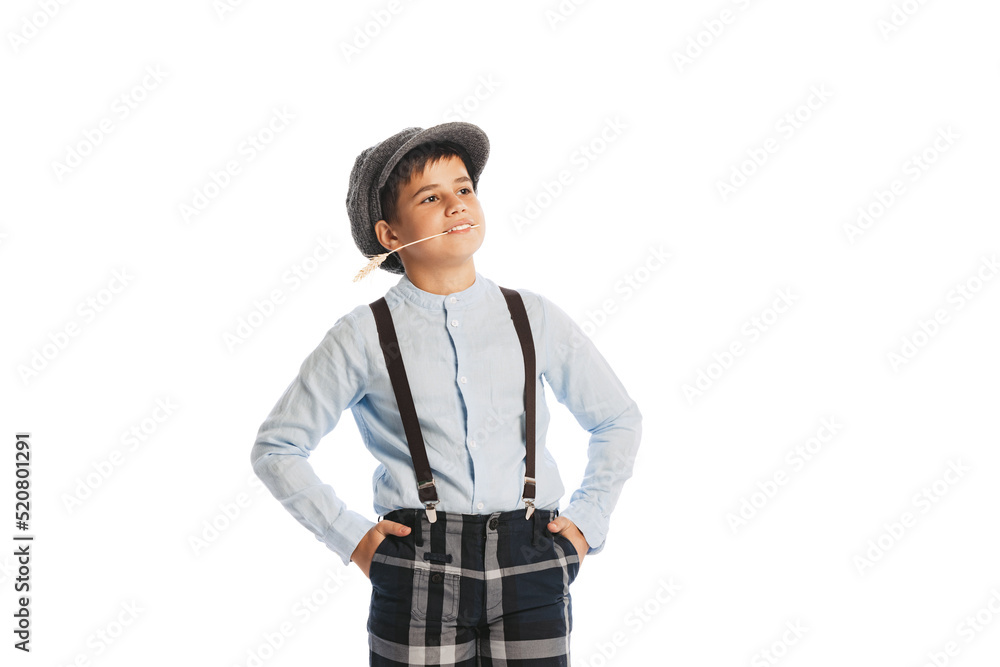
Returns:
(412, 164)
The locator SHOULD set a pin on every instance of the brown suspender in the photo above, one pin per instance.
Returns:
(408, 413)
(517, 313)
(404, 401)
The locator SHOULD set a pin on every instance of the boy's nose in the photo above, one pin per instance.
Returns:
(455, 203)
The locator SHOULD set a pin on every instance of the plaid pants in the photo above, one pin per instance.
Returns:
(472, 590)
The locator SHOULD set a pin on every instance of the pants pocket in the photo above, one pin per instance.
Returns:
(383, 547)
(391, 596)
(435, 595)
(572, 564)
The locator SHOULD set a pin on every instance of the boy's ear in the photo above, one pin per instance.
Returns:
(385, 235)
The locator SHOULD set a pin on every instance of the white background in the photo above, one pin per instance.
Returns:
(542, 88)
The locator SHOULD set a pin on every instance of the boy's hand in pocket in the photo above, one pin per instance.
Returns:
(363, 553)
(568, 529)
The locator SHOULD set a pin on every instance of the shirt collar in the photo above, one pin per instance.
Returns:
(406, 289)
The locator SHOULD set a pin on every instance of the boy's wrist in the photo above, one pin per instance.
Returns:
(594, 531)
(346, 533)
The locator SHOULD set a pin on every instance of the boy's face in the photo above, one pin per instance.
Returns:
(433, 202)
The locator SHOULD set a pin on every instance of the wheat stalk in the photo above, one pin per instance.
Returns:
(376, 260)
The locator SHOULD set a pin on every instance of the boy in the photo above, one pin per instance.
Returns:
(471, 561)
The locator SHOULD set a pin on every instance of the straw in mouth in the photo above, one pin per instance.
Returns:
(376, 260)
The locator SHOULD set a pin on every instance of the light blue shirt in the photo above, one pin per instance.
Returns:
(466, 373)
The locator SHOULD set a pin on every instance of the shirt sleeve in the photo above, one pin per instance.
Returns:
(330, 380)
(582, 380)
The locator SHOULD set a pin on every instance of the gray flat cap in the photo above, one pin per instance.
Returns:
(374, 165)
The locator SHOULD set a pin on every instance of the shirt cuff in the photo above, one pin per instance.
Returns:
(591, 522)
(346, 533)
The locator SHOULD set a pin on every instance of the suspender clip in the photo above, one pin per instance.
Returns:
(428, 494)
(529, 496)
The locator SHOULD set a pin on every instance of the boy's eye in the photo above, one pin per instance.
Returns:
(465, 191)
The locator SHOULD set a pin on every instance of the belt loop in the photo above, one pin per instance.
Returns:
(418, 522)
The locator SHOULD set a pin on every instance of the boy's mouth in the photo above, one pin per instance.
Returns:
(461, 227)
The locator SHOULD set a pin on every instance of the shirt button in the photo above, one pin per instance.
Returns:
(480, 506)
(472, 444)
(463, 380)
(454, 323)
